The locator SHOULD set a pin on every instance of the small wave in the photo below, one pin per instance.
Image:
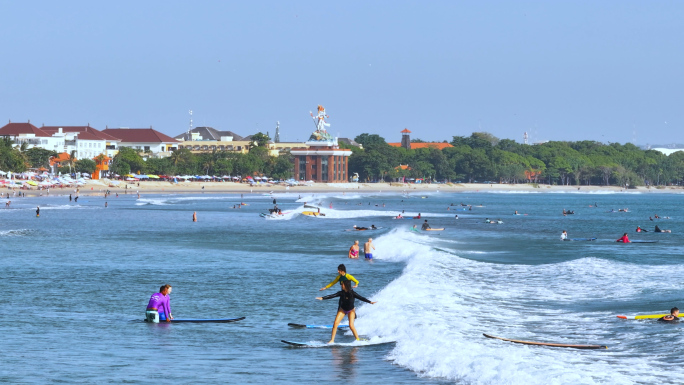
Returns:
(16, 233)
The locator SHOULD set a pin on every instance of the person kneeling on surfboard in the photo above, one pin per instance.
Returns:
(346, 307)
(673, 317)
(159, 307)
(624, 239)
(341, 277)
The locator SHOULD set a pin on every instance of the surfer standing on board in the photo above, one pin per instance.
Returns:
(354, 250)
(673, 317)
(346, 307)
(342, 276)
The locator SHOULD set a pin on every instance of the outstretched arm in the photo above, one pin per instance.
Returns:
(330, 296)
(331, 283)
(362, 298)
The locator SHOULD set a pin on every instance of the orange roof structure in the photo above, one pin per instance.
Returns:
(59, 158)
(439, 146)
(405, 131)
(403, 167)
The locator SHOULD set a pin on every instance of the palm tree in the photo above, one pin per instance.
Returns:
(71, 159)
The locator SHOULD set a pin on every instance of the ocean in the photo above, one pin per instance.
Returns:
(74, 284)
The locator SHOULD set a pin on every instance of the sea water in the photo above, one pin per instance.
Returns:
(74, 284)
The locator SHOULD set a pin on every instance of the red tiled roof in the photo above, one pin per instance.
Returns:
(84, 132)
(405, 131)
(15, 129)
(144, 135)
(59, 158)
(439, 146)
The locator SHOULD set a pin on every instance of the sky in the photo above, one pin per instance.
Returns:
(563, 70)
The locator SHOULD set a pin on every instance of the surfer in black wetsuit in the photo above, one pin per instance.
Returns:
(673, 317)
(346, 307)
(425, 226)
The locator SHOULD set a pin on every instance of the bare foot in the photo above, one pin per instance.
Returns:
(331, 342)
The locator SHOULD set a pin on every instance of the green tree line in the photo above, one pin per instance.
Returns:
(483, 157)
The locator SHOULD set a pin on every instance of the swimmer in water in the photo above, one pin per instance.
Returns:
(354, 250)
(564, 235)
(194, 216)
(673, 317)
(341, 276)
(368, 248)
(345, 307)
(425, 226)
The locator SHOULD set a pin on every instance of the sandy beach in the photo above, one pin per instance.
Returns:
(158, 187)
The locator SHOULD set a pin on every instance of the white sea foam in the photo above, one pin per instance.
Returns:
(15, 233)
(439, 307)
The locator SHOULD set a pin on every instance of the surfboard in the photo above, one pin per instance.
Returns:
(639, 242)
(312, 213)
(200, 320)
(377, 228)
(302, 326)
(547, 343)
(319, 344)
(439, 229)
(579, 239)
(643, 316)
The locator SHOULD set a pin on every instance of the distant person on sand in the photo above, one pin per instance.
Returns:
(624, 239)
(194, 216)
(341, 276)
(368, 248)
(354, 250)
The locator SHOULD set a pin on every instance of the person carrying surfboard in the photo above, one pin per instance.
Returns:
(346, 307)
(341, 277)
(672, 317)
(159, 307)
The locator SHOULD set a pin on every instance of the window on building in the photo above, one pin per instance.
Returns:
(302, 167)
(324, 169)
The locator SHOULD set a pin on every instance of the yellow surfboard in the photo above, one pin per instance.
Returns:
(643, 316)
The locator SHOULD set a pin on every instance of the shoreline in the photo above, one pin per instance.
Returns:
(154, 187)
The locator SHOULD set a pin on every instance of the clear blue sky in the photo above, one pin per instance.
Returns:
(568, 70)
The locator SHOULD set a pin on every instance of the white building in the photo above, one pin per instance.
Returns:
(146, 139)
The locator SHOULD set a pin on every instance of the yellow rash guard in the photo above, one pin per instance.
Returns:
(348, 277)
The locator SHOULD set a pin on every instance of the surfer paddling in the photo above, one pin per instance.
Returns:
(159, 307)
(346, 307)
(624, 239)
(341, 277)
(672, 317)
